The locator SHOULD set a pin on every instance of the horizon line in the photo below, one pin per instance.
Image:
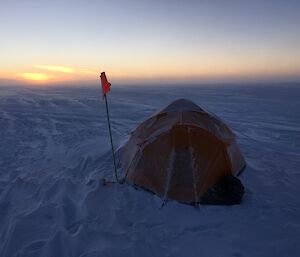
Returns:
(156, 83)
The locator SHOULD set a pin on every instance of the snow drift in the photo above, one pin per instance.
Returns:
(55, 149)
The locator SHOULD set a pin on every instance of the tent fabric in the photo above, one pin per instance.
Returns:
(180, 152)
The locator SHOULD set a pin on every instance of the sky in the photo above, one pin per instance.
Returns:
(165, 41)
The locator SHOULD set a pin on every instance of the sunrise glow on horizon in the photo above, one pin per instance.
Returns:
(65, 41)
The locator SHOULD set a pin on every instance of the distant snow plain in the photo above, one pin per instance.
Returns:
(54, 151)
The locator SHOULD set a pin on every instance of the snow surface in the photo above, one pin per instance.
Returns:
(55, 150)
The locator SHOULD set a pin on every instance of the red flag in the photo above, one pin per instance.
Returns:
(105, 84)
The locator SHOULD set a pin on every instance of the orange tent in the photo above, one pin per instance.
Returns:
(180, 152)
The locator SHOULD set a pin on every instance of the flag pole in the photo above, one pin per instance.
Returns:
(111, 142)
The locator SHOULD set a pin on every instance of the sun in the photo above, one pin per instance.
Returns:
(34, 76)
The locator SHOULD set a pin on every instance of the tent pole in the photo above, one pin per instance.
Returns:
(111, 142)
